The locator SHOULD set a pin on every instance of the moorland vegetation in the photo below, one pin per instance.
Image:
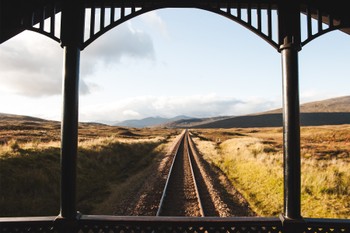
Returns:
(253, 160)
(114, 161)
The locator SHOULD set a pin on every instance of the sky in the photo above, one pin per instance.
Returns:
(166, 63)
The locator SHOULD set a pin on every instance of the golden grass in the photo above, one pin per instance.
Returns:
(109, 160)
(252, 159)
(112, 160)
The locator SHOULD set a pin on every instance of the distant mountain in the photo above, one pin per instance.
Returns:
(192, 122)
(332, 111)
(149, 121)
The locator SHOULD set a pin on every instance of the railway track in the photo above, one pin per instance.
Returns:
(183, 183)
(185, 193)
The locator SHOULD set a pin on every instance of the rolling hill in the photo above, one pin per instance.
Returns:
(14, 117)
(332, 111)
(338, 104)
(275, 120)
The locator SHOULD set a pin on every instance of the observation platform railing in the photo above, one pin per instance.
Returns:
(125, 224)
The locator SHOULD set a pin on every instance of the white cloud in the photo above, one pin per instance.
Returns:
(31, 65)
(130, 113)
(156, 22)
(121, 42)
(169, 106)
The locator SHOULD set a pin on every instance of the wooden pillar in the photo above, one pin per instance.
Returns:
(289, 37)
(72, 27)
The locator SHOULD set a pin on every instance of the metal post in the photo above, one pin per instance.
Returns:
(69, 131)
(71, 37)
(289, 36)
(291, 131)
(1, 26)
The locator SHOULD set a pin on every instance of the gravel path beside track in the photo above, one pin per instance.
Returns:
(220, 199)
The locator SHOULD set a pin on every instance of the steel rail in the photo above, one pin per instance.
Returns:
(184, 137)
(177, 146)
(189, 148)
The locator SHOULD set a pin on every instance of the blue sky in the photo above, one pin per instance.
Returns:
(165, 63)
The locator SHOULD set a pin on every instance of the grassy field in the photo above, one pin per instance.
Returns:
(253, 160)
(114, 160)
(111, 160)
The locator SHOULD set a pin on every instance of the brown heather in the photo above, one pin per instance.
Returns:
(112, 161)
(109, 159)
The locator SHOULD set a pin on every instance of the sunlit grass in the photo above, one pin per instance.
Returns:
(257, 176)
(253, 160)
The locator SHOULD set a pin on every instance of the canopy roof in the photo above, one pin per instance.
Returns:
(12, 11)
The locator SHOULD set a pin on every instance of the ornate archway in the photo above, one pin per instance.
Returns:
(76, 24)
(44, 17)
